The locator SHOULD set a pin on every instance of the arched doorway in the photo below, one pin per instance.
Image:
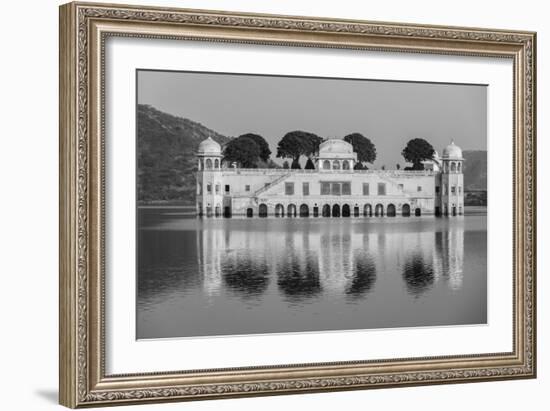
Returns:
(336, 210)
(367, 210)
(326, 210)
(345, 165)
(249, 212)
(379, 210)
(304, 210)
(356, 211)
(315, 211)
(406, 210)
(417, 212)
(454, 211)
(279, 210)
(227, 212)
(391, 210)
(346, 211)
(291, 210)
(262, 212)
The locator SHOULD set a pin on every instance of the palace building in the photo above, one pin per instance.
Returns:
(332, 189)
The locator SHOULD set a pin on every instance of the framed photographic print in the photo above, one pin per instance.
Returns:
(259, 204)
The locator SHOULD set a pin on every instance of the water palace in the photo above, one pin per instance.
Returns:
(332, 189)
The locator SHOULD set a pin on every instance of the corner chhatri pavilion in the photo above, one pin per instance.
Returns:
(332, 189)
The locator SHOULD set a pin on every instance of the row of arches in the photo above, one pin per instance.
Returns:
(337, 165)
(336, 210)
(209, 164)
(453, 167)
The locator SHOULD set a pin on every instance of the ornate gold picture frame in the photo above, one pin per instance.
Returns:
(84, 29)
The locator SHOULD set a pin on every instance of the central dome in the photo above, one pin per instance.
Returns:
(335, 146)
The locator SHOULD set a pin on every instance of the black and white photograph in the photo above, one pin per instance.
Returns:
(285, 204)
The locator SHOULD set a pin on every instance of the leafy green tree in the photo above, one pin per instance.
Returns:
(309, 165)
(286, 165)
(295, 165)
(265, 152)
(360, 166)
(298, 143)
(365, 149)
(242, 150)
(416, 151)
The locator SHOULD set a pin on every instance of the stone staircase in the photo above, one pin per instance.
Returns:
(393, 183)
(268, 186)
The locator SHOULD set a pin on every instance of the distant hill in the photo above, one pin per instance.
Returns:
(475, 170)
(166, 147)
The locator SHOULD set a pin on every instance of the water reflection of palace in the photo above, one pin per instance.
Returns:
(301, 261)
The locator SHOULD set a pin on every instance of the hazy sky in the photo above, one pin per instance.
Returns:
(389, 113)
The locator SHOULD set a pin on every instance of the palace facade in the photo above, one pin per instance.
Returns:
(332, 189)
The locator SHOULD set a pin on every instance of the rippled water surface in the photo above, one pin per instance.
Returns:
(243, 276)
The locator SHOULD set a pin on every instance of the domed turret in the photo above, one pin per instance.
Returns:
(336, 154)
(209, 147)
(452, 152)
(451, 191)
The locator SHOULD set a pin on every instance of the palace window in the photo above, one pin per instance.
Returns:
(289, 188)
(453, 189)
(217, 188)
(437, 189)
(325, 189)
(227, 188)
(336, 165)
(247, 187)
(419, 188)
(335, 189)
(209, 188)
(326, 165)
(346, 189)
(365, 189)
(305, 189)
(381, 189)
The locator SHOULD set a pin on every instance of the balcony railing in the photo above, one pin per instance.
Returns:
(283, 171)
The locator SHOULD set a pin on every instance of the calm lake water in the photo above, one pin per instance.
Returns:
(244, 276)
